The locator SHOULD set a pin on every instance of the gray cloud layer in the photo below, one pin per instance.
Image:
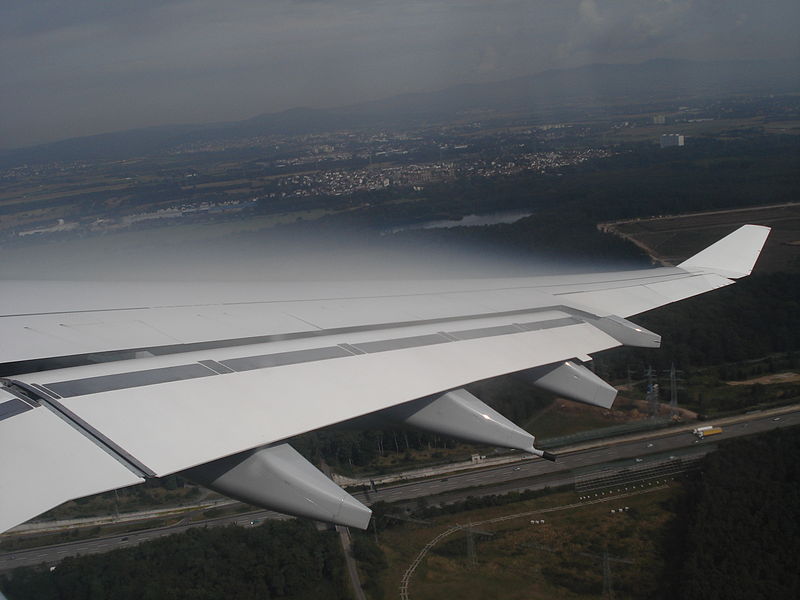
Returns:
(87, 66)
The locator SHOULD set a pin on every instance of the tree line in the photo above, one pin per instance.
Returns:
(736, 533)
(290, 560)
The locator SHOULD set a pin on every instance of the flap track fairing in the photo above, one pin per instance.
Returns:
(461, 415)
(573, 381)
(279, 478)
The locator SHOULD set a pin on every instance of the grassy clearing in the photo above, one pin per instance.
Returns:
(565, 417)
(559, 422)
(679, 236)
(558, 559)
(173, 236)
(714, 128)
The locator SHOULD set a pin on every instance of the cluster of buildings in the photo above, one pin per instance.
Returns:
(669, 140)
(339, 182)
(325, 182)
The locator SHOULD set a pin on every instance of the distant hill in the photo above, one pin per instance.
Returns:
(550, 93)
(599, 84)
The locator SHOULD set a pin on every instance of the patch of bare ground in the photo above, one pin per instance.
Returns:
(669, 239)
(769, 379)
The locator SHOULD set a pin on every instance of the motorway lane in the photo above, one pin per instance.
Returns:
(533, 473)
(534, 468)
(53, 554)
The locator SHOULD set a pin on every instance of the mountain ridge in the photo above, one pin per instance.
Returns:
(546, 92)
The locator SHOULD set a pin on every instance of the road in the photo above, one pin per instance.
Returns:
(528, 474)
(350, 562)
(53, 554)
(536, 474)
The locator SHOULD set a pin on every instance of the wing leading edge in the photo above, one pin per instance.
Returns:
(309, 361)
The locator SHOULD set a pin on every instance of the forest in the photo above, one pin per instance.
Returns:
(736, 533)
(290, 560)
(639, 180)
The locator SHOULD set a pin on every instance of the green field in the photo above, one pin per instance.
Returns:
(560, 558)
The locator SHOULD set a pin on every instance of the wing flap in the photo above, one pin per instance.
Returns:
(175, 425)
(46, 462)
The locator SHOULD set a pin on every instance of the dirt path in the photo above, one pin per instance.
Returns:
(768, 379)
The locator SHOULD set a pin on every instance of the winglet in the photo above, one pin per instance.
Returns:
(734, 255)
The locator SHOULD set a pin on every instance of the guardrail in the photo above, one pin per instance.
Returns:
(636, 473)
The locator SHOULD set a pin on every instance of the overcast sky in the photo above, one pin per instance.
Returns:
(77, 67)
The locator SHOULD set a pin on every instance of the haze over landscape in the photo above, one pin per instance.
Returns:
(218, 219)
(92, 66)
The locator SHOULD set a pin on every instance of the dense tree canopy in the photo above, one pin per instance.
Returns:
(282, 559)
(739, 533)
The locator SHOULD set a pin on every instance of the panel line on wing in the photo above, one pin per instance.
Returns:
(118, 452)
(88, 344)
(12, 408)
(279, 359)
(118, 381)
(103, 442)
(416, 341)
(218, 368)
(211, 368)
(545, 284)
(471, 334)
(553, 323)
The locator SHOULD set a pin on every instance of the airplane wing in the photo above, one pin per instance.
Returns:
(231, 371)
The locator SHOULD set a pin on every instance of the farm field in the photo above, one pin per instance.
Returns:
(672, 238)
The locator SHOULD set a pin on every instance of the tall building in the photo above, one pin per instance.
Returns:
(671, 139)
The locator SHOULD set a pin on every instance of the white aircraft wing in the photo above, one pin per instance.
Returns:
(241, 368)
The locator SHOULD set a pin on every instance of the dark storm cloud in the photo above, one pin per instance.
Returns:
(85, 66)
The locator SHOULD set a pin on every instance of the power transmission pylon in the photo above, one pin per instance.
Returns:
(472, 555)
(673, 390)
(652, 393)
(608, 588)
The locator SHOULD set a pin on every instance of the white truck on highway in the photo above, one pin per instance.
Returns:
(703, 432)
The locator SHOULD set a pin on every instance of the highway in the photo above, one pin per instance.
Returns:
(53, 554)
(535, 473)
(532, 473)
